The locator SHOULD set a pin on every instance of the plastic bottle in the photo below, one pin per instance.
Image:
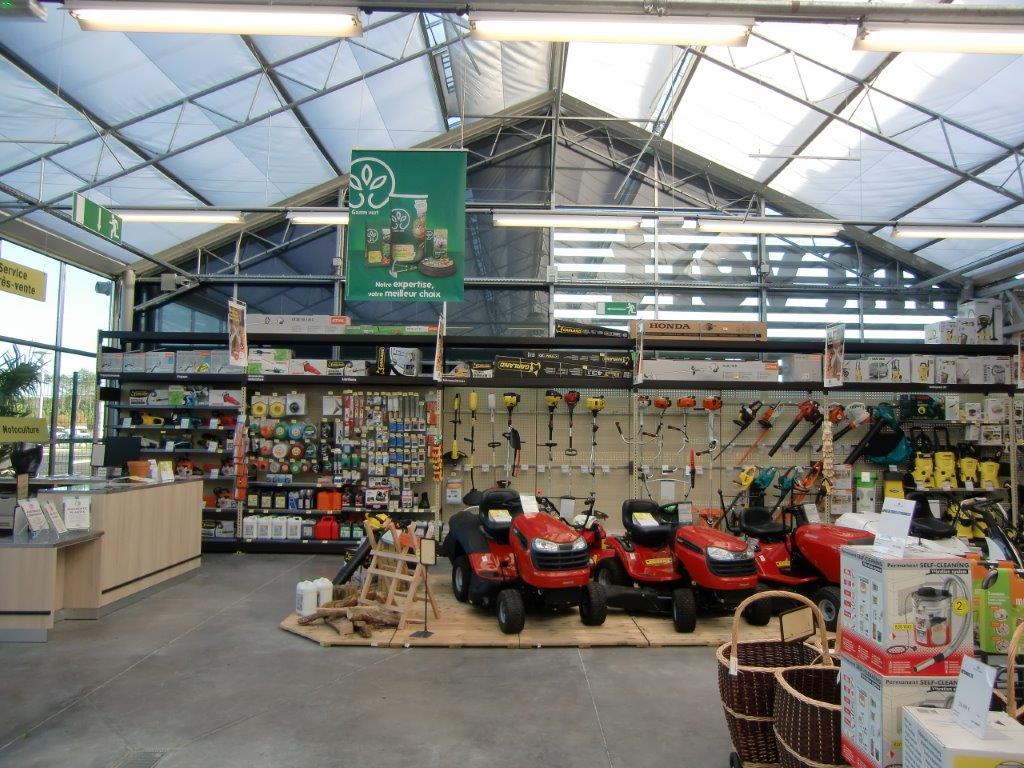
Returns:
(305, 598)
(324, 590)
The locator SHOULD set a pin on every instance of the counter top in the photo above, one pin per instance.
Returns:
(46, 481)
(47, 539)
(105, 487)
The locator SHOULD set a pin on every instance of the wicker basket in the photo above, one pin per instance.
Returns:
(748, 696)
(808, 717)
(1013, 709)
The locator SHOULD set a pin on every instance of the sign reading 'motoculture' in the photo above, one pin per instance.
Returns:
(14, 429)
(22, 281)
(407, 225)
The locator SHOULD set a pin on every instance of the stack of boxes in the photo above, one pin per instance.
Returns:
(906, 629)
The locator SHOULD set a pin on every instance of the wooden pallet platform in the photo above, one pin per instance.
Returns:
(463, 626)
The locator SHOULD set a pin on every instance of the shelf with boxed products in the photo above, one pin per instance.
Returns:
(165, 408)
(191, 378)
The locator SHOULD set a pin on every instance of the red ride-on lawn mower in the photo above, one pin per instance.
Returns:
(797, 555)
(504, 556)
(658, 566)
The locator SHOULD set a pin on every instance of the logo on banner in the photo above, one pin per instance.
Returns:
(371, 183)
(400, 220)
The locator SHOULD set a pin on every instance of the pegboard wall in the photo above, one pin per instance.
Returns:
(622, 464)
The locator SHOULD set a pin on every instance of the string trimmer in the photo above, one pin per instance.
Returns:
(743, 420)
(685, 404)
(515, 445)
(552, 398)
(595, 404)
(711, 405)
(572, 397)
(567, 505)
(472, 498)
(454, 455)
(492, 404)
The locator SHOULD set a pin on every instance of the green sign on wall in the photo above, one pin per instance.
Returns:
(623, 308)
(407, 225)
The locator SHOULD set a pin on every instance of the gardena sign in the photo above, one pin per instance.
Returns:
(21, 430)
(407, 225)
(22, 281)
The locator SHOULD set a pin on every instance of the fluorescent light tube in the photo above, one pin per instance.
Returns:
(769, 226)
(241, 19)
(595, 28)
(565, 220)
(958, 232)
(318, 217)
(181, 217)
(940, 38)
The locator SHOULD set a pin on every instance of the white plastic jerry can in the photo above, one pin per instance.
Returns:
(305, 598)
(324, 590)
(294, 527)
(277, 526)
(249, 526)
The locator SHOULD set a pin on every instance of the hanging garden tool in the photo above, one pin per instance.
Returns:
(804, 410)
(595, 404)
(803, 486)
(684, 404)
(744, 480)
(711, 406)
(835, 414)
(514, 453)
(552, 399)
(692, 473)
(816, 418)
(661, 404)
(785, 485)
(571, 399)
(856, 414)
(454, 455)
(880, 447)
(643, 402)
(765, 422)
(473, 496)
(743, 420)
(492, 404)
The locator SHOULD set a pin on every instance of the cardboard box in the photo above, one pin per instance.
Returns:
(997, 408)
(226, 397)
(872, 725)
(945, 369)
(269, 353)
(801, 367)
(944, 332)
(999, 609)
(951, 403)
(160, 362)
(843, 477)
(296, 324)
(305, 366)
(969, 370)
(700, 329)
(842, 502)
(347, 367)
(134, 362)
(879, 368)
(193, 361)
(966, 330)
(623, 360)
(267, 367)
(922, 369)
(997, 370)
(906, 616)
(899, 369)
(987, 315)
(225, 529)
(111, 362)
(855, 370)
(864, 491)
(220, 362)
(933, 739)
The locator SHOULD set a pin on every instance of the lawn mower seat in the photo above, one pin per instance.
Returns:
(497, 508)
(757, 523)
(925, 525)
(647, 535)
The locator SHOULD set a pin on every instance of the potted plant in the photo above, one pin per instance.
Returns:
(18, 377)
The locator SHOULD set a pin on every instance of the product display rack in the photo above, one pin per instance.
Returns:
(615, 457)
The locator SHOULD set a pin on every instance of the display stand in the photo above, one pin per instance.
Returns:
(390, 569)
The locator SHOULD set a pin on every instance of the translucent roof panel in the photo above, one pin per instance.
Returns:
(956, 253)
(754, 121)
(490, 77)
(624, 80)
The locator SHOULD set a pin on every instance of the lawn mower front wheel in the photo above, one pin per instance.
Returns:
(511, 611)
(684, 610)
(462, 575)
(593, 605)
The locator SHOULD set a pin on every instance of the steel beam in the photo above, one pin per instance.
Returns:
(284, 96)
(987, 261)
(34, 74)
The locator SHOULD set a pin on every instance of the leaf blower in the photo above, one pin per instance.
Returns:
(804, 411)
(766, 422)
(816, 418)
(879, 447)
(856, 414)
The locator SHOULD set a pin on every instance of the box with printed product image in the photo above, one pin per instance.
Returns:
(945, 369)
(872, 724)
(160, 362)
(986, 317)
(933, 739)
(220, 362)
(111, 362)
(303, 366)
(944, 332)
(906, 616)
(134, 362)
(922, 369)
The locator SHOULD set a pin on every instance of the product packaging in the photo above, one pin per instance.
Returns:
(220, 362)
(879, 368)
(1000, 608)
(951, 403)
(160, 362)
(134, 362)
(700, 329)
(864, 491)
(922, 369)
(933, 739)
(906, 616)
(969, 370)
(997, 408)
(347, 367)
(986, 315)
(855, 370)
(997, 370)
(944, 332)
(945, 369)
(305, 366)
(967, 330)
(801, 367)
(899, 369)
(111, 362)
(225, 529)
(226, 397)
(872, 708)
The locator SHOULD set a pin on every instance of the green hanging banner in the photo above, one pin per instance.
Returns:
(407, 225)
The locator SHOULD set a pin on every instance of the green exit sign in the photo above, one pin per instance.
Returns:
(620, 308)
(96, 218)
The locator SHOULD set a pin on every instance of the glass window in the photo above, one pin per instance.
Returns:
(86, 308)
(27, 318)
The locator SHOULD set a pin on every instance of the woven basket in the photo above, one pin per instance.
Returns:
(1013, 709)
(748, 697)
(808, 717)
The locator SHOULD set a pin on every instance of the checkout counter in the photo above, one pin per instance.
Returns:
(140, 535)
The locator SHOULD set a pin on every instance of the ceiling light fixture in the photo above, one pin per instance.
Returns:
(939, 38)
(595, 28)
(227, 19)
(565, 220)
(181, 217)
(338, 217)
(958, 232)
(772, 226)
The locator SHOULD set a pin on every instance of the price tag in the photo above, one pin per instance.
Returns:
(565, 469)
(894, 525)
(541, 469)
(973, 696)
(126, 421)
(529, 504)
(168, 445)
(605, 469)
(969, 485)
(685, 512)
(812, 514)
(667, 491)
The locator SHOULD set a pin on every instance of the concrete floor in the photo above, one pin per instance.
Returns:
(199, 675)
